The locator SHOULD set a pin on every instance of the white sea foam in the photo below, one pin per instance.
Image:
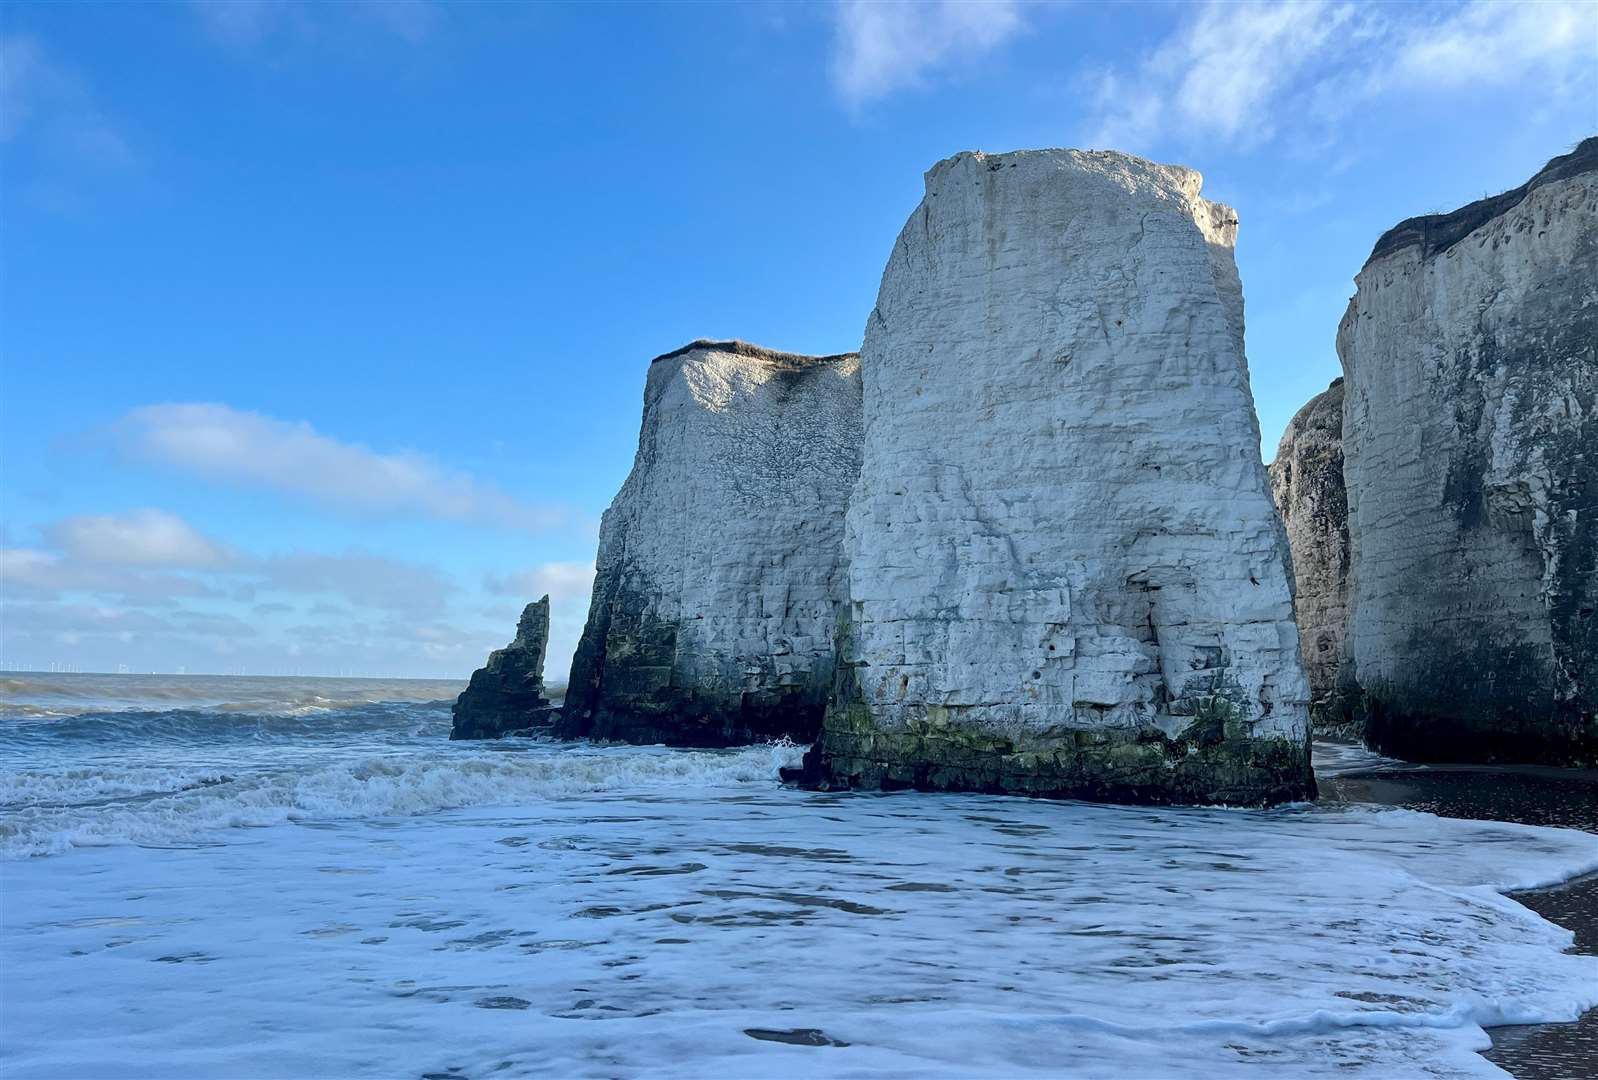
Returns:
(639, 912)
(1335, 759)
(350, 895)
(55, 809)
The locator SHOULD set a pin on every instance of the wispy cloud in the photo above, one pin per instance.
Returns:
(1240, 74)
(151, 557)
(147, 584)
(558, 579)
(247, 449)
(240, 22)
(412, 20)
(569, 585)
(1216, 74)
(360, 578)
(76, 624)
(47, 103)
(44, 575)
(25, 77)
(883, 46)
(140, 538)
(1491, 43)
(244, 23)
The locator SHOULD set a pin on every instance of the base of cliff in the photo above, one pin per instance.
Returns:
(1208, 766)
(1428, 735)
(507, 717)
(690, 727)
(1334, 715)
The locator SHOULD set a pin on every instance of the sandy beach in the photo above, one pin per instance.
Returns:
(1531, 795)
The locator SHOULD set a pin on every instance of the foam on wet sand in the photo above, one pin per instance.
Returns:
(709, 922)
(237, 892)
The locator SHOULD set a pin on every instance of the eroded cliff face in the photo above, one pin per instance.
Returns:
(506, 694)
(1471, 454)
(719, 572)
(1307, 484)
(1066, 576)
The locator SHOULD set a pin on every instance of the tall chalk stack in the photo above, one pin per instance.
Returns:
(1065, 573)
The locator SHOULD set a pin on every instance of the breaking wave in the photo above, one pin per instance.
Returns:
(226, 723)
(96, 760)
(48, 811)
(38, 694)
(1003, 936)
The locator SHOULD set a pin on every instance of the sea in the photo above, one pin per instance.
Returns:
(290, 877)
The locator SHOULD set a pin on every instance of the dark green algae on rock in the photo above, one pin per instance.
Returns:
(719, 563)
(1213, 760)
(1143, 767)
(627, 685)
(506, 694)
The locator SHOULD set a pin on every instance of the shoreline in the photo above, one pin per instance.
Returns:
(1528, 795)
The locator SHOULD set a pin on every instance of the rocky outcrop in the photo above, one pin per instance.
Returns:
(1470, 447)
(719, 572)
(1307, 484)
(506, 694)
(1066, 576)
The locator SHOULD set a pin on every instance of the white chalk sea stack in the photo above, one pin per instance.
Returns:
(1470, 443)
(719, 572)
(1066, 576)
(506, 695)
(1307, 484)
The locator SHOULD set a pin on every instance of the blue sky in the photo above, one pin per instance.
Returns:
(324, 326)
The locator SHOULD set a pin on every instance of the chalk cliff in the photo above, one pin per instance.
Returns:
(1066, 576)
(1307, 484)
(506, 694)
(1470, 442)
(720, 561)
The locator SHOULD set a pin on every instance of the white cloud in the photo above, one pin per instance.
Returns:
(147, 587)
(882, 47)
(73, 622)
(36, 631)
(569, 585)
(108, 556)
(241, 23)
(138, 538)
(33, 574)
(1240, 73)
(25, 565)
(360, 578)
(1494, 42)
(561, 580)
(53, 106)
(1216, 75)
(24, 77)
(248, 449)
(412, 20)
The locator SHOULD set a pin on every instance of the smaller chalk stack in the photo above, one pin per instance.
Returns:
(506, 694)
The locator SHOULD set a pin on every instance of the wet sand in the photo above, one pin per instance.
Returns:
(1533, 795)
